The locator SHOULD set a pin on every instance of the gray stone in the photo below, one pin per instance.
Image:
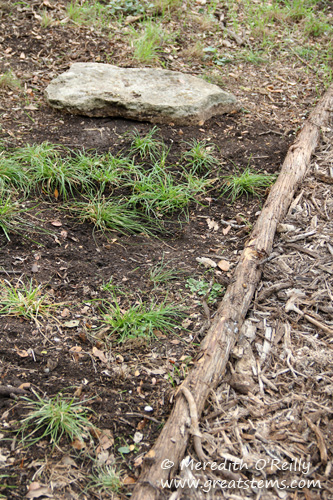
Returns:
(144, 94)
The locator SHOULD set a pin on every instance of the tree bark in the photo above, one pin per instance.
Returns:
(224, 332)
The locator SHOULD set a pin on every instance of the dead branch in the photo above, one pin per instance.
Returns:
(277, 287)
(223, 334)
(8, 391)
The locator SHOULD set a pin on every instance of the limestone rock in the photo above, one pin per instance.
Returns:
(144, 94)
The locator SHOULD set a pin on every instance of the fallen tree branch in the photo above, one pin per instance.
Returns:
(277, 287)
(194, 430)
(223, 334)
(7, 391)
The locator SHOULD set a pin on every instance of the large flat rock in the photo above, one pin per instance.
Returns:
(144, 94)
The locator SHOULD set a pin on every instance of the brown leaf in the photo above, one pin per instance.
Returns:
(22, 353)
(34, 486)
(212, 224)
(72, 324)
(78, 391)
(56, 223)
(206, 262)
(142, 424)
(56, 193)
(43, 491)
(52, 364)
(106, 439)
(224, 265)
(47, 4)
(31, 107)
(226, 230)
(67, 460)
(99, 354)
(76, 348)
(129, 480)
(78, 445)
(25, 385)
(65, 313)
(138, 461)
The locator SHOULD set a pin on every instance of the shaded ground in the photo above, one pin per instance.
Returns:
(74, 263)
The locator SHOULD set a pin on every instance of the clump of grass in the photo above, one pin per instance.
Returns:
(141, 320)
(105, 479)
(119, 8)
(199, 157)
(107, 171)
(206, 22)
(26, 300)
(9, 81)
(148, 43)
(197, 185)
(12, 175)
(315, 26)
(46, 19)
(11, 220)
(146, 146)
(32, 155)
(252, 57)
(159, 193)
(194, 51)
(54, 418)
(85, 13)
(163, 6)
(110, 215)
(160, 273)
(56, 175)
(247, 182)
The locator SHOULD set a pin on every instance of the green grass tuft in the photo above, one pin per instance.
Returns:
(110, 215)
(26, 300)
(199, 157)
(8, 81)
(141, 320)
(158, 193)
(247, 182)
(104, 171)
(12, 175)
(54, 418)
(11, 220)
(56, 175)
(160, 273)
(147, 146)
(105, 479)
(148, 43)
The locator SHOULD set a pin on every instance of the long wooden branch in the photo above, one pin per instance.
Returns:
(223, 334)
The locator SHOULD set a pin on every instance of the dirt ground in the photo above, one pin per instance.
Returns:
(286, 414)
